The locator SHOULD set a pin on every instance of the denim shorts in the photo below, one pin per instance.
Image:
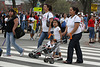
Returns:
(32, 31)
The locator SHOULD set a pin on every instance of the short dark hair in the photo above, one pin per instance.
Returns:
(75, 9)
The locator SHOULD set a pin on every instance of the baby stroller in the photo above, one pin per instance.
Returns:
(45, 51)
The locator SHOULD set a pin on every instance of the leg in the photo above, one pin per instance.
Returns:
(72, 44)
(42, 37)
(90, 33)
(70, 51)
(8, 43)
(24, 24)
(78, 52)
(54, 54)
(12, 40)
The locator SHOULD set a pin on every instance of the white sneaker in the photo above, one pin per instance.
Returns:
(21, 54)
(31, 39)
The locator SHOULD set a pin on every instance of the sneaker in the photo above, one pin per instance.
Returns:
(60, 59)
(21, 54)
(31, 39)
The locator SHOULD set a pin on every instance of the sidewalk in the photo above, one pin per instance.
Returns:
(83, 42)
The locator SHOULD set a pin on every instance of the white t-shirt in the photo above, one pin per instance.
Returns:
(44, 21)
(32, 19)
(56, 33)
(62, 19)
(23, 17)
(71, 22)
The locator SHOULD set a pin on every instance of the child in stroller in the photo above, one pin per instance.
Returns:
(46, 50)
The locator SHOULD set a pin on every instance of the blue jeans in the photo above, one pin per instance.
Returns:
(37, 27)
(86, 23)
(92, 33)
(26, 24)
(11, 40)
(99, 33)
(23, 25)
(42, 37)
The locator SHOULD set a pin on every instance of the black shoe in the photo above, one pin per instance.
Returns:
(91, 42)
(78, 62)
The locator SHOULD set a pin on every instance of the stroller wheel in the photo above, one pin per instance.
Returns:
(30, 55)
(51, 61)
(36, 56)
(46, 60)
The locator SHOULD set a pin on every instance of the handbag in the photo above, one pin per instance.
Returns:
(19, 32)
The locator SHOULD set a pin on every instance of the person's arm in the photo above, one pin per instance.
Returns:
(65, 31)
(60, 35)
(15, 25)
(51, 19)
(61, 22)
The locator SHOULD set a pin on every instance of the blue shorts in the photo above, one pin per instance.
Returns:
(32, 31)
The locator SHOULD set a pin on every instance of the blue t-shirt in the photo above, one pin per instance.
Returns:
(86, 19)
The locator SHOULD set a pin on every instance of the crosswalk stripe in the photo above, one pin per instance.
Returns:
(63, 50)
(64, 54)
(90, 52)
(37, 61)
(5, 64)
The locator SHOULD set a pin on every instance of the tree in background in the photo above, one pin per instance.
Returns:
(86, 6)
(14, 3)
(59, 6)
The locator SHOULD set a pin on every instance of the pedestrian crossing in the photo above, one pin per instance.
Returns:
(91, 58)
